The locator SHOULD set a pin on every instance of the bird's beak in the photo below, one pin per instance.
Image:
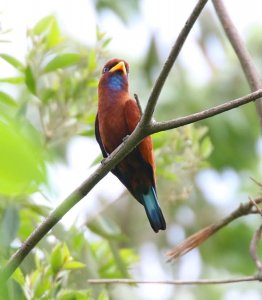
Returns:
(120, 66)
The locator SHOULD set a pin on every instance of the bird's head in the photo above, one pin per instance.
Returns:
(115, 75)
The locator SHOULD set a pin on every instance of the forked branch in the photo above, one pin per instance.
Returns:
(145, 127)
(110, 162)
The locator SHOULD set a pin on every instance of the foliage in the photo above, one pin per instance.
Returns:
(58, 83)
(55, 100)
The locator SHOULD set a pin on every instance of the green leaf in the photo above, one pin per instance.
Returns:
(92, 82)
(106, 42)
(206, 147)
(53, 37)
(13, 61)
(74, 295)
(21, 158)
(43, 25)
(103, 295)
(129, 256)
(99, 34)
(92, 61)
(62, 61)
(7, 99)
(61, 259)
(19, 277)
(65, 253)
(57, 259)
(12, 80)
(30, 80)
(47, 94)
(9, 226)
(72, 265)
(41, 283)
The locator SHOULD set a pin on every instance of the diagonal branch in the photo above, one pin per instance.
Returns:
(145, 128)
(149, 110)
(110, 162)
(242, 53)
(80, 192)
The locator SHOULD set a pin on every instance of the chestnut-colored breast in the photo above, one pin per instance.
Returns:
(112, 124)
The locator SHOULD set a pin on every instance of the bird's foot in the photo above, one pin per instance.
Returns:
(125, 138)
(103, 161)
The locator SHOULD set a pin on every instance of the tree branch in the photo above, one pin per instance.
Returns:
(253, 249)
(175, 282)
(79, 193)
(111, 161)
(243, 209)
(145, 127)
(201, 236)
(166, 125)
(242, 53)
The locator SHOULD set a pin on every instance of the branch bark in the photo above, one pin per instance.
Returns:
(105, 168)
(176, 282)
(144, 128)
(166, 125)
(110, 162)
(243, 209)
(147, 117)
(253, 249)
(241, 50)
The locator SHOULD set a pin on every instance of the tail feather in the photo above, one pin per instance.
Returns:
(153, 210)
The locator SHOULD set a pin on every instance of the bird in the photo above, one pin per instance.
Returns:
(117, 117)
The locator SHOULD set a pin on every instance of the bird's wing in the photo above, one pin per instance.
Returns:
(98, 138)
(115, 171)
(133, 115)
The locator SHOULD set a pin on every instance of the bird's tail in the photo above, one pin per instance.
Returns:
(153, 210)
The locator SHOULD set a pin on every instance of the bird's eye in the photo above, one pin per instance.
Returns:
(106, 69)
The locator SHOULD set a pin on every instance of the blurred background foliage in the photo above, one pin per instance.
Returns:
(53, 98)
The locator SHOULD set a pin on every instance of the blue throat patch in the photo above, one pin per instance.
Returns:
(116, 82)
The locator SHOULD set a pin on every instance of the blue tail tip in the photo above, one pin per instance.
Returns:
(153, 211)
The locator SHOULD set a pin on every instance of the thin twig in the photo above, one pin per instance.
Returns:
(110, 162)
(117, 155)
(175, 282)
(138, 103)
(255, 205)
(253, 248)
(199, 237)
(257, 182)
(242, 53)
